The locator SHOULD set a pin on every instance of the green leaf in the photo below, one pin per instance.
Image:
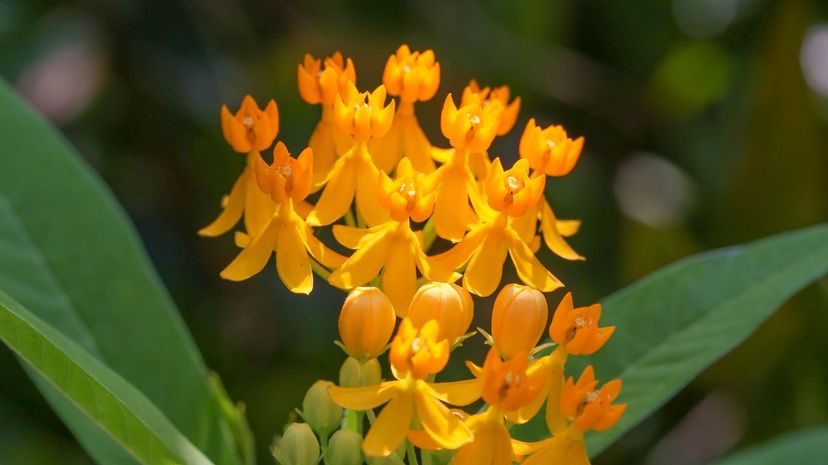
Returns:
(112, 403)
(71, 256)
(678, 321)
(674, 323)
(807, 447)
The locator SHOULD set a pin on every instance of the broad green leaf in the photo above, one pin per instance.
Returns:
(71, 256)
(679, 320)
(807, 447)
(676, 322)
(112, 403)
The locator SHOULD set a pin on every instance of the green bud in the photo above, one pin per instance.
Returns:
(442, 457)
(298, 446)
(344, 448)
(354, 374)
(392, 459)
(319, 410)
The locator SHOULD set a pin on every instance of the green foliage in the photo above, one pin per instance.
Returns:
(112, 403)
(808, 447)
(71, 256)
(676, 322)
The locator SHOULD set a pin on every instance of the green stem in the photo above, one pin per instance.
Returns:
(349, 218)
(371, 416)
(320, 270)
(429, 234)
(426, 456)
(412, 454)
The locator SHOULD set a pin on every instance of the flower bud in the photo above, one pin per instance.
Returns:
(298, 446)
(354, 373)
(518, 319)
(449, 304)
(344, 448)
(392, 459)
(366, 322)
(319, 410)
(550, 150)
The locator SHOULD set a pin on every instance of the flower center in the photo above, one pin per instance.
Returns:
(550, 144)
(248, 121)
(406, 69)
(474, 120)
(418, 345)
(580, 322)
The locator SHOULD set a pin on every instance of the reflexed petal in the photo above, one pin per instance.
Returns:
(368, 194)
(444, 427)
(338, 194)
(452, 213)
(389, 430)
(529, 268)
(258, 206)
(350, 237)
(559, 450)
(460, 253)
(386, 150)
(233, 206)
(416, 146)
(365, 264)
(553, 238)
(486, 266)
(526, 448)
(568, 228)
(458, 393)
(399, 276)
(324, 151)
(292, 261)
(254, 257)
(363, 397)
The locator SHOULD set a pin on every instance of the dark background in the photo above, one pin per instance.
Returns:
(706, 124)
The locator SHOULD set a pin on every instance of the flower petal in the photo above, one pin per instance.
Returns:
(254, 257)
(486, 266)
(258, 206)
(399, 276)
(388, 431)
(368, 195)
(553, 238)
(458, 393)
(365, 264)
(232, 209)
(437, 421)
(416, 146)
(292, 261)
(363, 397)
(338, 194)
(528, 267)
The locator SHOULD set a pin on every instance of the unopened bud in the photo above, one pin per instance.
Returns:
(298, 446)
(449, 304)
(354, 373)
(344, 448)
(518, 319)
(319, 410)
(366, 322)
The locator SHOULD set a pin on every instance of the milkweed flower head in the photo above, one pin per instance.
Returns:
(427, 228)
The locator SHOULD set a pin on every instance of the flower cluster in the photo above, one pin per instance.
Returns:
(372, 175)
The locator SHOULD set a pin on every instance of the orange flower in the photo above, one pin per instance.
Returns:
(318, 84)
(391, 249)
(506, 387)
(285, 232)
(364, 116)
(576, 329)
(415, 354)
(411, 75)
(250, 128)
(513, 191)
(407, 196)
(485, 246)
(488, 95)
(473, 126)
(549, 150)
(448, 304)
(248, 131)
(589, 408)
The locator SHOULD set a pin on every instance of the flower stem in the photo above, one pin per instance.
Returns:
(411, 453)
(320, 270)
(429, 234)
(349, 218)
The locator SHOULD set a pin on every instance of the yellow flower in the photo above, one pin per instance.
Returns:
(448, 304)
(506, 387)
(320, 84)
(576, 329)
(585, 408)
(415, 354)
(470, 128)
(363, 115)
(366, 323)
(549, 150)
(411, 76)
(518, 319)
(488, 95)
(391, 249)
(286, 180)
(248, 131)
(485, 246)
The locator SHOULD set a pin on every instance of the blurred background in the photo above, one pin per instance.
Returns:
(706, 124)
